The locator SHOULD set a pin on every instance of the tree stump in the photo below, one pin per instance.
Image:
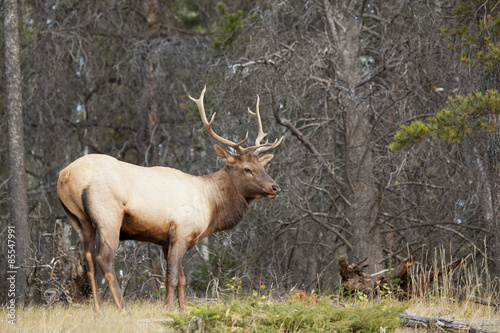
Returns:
(355, 280)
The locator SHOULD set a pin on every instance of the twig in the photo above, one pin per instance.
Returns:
(291, 127)
(325, 225)
(254, 62)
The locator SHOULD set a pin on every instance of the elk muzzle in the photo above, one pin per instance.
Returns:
(275, 190)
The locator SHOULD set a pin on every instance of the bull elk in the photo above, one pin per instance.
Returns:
(161, 205)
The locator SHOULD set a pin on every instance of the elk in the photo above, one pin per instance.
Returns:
(119, 201)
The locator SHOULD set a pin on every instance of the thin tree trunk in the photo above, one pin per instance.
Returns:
(494, 178)
(17, 183)
(152, 26)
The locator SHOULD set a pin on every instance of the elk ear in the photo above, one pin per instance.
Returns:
(263, 160)
(224, 154)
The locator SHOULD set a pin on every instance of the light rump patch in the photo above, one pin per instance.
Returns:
(161, 205)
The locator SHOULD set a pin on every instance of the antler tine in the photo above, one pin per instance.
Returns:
(261, 148)
(265, 149)
(208, 125)
(261, 134)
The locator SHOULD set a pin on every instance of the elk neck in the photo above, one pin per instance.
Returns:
(228, 206)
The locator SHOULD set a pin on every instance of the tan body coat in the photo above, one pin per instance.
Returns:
(141, 198)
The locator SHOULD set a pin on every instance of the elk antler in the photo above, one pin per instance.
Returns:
(259, 148)
(265, 147)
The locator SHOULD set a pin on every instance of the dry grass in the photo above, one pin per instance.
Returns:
(146, 317)
(447, 297)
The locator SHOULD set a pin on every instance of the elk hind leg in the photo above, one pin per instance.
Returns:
(108, 245)
(89, 249)
(86, 233)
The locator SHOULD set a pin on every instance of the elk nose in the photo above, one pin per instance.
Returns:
(276, 188)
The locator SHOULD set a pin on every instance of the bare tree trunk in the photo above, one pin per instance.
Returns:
(17, 184)
(361, 189)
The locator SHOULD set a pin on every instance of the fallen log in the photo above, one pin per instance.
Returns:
(444, 324)
(484, 301)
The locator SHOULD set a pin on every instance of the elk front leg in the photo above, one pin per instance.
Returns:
(181, 289)
(175, 279)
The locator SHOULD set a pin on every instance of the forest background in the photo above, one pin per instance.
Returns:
(336, 78)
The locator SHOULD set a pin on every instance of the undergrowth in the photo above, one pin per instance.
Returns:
(291, 316)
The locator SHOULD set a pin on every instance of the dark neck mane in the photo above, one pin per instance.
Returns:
(229, 207)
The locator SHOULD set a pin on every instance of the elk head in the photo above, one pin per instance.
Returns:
(246, 168)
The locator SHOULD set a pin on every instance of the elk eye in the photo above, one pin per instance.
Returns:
(247, 170)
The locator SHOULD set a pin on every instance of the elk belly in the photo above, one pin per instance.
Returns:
(134, 228)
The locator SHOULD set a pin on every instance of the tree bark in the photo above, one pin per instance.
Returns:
(362, 193)
(17, 183)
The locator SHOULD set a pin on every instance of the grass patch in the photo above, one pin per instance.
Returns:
(247, 314)
(290, 316)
